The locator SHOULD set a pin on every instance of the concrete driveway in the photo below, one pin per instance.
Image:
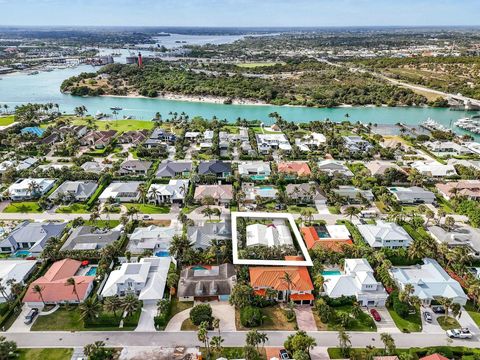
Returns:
(466, 321)
(226, 313)
(305, 319)
(18, 325)
(175, 323)
(386, 324)
(146, 323)
(433, 327)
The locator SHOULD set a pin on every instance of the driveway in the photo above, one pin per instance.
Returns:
(175, 323)
(466, 321)
(386, 324)
(18, 325)
(146, 323)
(226, 313)
(305, 319)
(433, 327)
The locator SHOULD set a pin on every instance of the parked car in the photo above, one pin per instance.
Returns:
(30, 316)
(438, 309)
(376, 316)
(427, 316)
(459, 333)
(284, 355)
(146, 217)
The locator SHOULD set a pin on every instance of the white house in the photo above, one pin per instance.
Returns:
(433, 168)
(16, 270)
(310, 141)
(357, 279)
(121, 191)
(268, 142)
(385, 235)
(334, 167)
(412, 195)
(25, 189)
(173, 192)
(429, 281)
(154, 238)
(146, 279)
(275, 234)
(254, 168)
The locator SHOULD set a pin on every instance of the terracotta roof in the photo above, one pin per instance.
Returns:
(299, 168)
(272, 277)
(53, 283)
(434, 357)
(298, 297)
(310, 236)
(333, 245)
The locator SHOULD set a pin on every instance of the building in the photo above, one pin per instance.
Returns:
(54, 290)
(154, 238)
(263, 278)
(306, 193)
(90, 238)
(14, 270)
(356, 144)
(464, 188)
(172, 193)
(329, 237)
(220, 169)
(31, 237)
(429, 281)
(174, 169)
(412, 195)
(353, 194)
(385, 235)
(357, 279)
(201, 237)
(256, 170)
(206, 283)
(95, 167)
(378, 168)
(159, 137)
(447, 148)
(299, 169)
(251, 192)
(311, 142)
(72, 191)
(98, 139)
(275, 234)
(121, 191)
(133, 137)
(334, 168)
(135, 167)
(222, 194)
(26, 189)
(270, 142)
(145, 279)
(461, 236)
(18, 165)
(433, 169)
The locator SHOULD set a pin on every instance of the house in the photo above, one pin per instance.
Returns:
(270, 142)
(256, 170)
(18, 165)
(378, 167)
(77, 131)
(32, 130)
(357, 279)
(206, 283)
(435, 356)
(385, 235)
(90, 238)
(171, 169)
(135, 167)
(14, 270)
(306, 193)
(447, 148)
(263, 279)
(356, 144)
(133, 137)
(172, 193)
(54, 290)
(222, 194)
(121, 191)
(412, 195)
(300, 169)
(433, 169)
(201, 237)
(461, 235)
(154, 238)
(353, 194)
(218, 168)
(334, 168)
(464, 188)
(26, 189)
(430, 281)
(145, 279)
(159, 137)
(330, 237)
(31, 237)
(275, 234)
(71, 191)
(311, 142)
(192, 135)
(95, 167)
(98, 139)
(475, 164)
(265, 192)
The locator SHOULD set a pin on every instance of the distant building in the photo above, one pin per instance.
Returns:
(412, 195)
(385, 235)
(85, 238)
(26, 189)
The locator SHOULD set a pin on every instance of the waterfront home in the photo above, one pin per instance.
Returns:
(334, 168)
(98, 139)
(54, 288)
(15, 270)
(121, 191)
(145, 279)
(385, 235)
(18, 165)
(353, 194)
(433, 168)
(270, 142)
(133, 137)
(219, 169)
(430, 281)
(329, 237)
(154, 238)
(275, 234)
(310, 142)
(306, 193)
(95, 167)
(265, 192)
(462, 235)
(172, 193)
(171, 169)
(77, 131)
(222, 194)
(135, 167)
(26, 189)
(263, 279)
(159, 137)
(201, 237)
(464, 188)
(475, 164)
(412, 195)
(443, 148)
(72, 191)
(192, 135)
(32, 130)
(206, 282)
(296, 168)
(256, 170)
(355, 144)
(357, 279)
(90, 238)
(378, 167)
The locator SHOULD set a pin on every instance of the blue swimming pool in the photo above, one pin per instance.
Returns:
(22, 253)
(258, 177)
(198, 268)
(162, 253)
(92, 271)
(331, 272)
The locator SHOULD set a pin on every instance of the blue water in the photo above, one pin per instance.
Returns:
(92, 271)
(22, 253)
(162, 254)
(258, 177)
(198, 268)
(323, 234)
(331, 272)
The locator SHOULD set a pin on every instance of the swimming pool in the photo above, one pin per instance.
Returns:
(258, 177)
(331, 272)
(92, 271)
(22, 253)
(198, 268)
(162, 253)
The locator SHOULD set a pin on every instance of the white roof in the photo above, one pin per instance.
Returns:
(16, 270)
(338, 232)
(275, 234)
(117, 188)
(434, 168)
(245, 168)
(20, 188)
(377, 234)
(176, 189)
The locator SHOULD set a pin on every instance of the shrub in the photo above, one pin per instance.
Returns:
(399, 307)
(251, 317)
(341, 301)
(201, 313)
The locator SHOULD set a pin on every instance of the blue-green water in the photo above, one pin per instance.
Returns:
(331, 272)
(16, 89)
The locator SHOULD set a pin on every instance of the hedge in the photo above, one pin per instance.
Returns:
(251, 316)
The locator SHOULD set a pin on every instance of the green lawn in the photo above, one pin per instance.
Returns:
(298, 209)
(274, 319)
(149, 208)
(448, 323)
(231, 353)
(45, 354)
(257, 64)
(334, 210)
(119, 125)
(364, 322)
(73, 209)
(103, 223)
(413, 323)
(473, 312)
(23, 207)
(6, 120)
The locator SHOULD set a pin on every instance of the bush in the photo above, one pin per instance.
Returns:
(201, 313)
(341, 301)
(251, 317)
(399, 307)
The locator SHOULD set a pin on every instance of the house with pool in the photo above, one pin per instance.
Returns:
(412, 195)
(254, 170)
(85, 238)
(154, 238)
(265, 192)
(329, 237)
(356, 279)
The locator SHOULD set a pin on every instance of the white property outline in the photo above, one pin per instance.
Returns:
(266, 215)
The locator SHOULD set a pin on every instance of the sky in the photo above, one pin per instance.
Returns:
(241, 13)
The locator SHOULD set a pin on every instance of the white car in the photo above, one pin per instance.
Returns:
(459, 333)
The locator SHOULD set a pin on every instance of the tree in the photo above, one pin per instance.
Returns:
(449, 223)
(287, 279)
(90, 309)
(112, 304)
(446, 303)
(299, 341)
(241, 295)
(216, 344)
(97, 351)
(388, 342)
(255, 338)
(208, 212)
(344, 343)
(71, 282)
(202, 335)
(8, 349)
(130, 304)
(37, 289)
(352, 211)
(201, 313)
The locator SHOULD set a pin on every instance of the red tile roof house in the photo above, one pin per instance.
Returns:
(98, 139)
(300, 169)
(54, 290)
(313, 241)
(435, 356)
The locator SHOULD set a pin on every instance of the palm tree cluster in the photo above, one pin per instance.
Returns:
(92, 308)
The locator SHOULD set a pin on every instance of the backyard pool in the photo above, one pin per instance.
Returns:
(162, 253)
(22, 253)
(258, 177)
(92, 271)
(199, 268)
(331, 272)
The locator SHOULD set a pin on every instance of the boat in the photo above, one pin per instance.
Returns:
(116, 108)
(33, 73)
(432, 125)
(470, 124)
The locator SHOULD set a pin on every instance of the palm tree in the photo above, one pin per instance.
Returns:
(37, 289)
(153, 194)
(71, 282)
(352, 211)
(208, 212)
(388, 342)
(112, 304)
(202, 335)
(287, 278)
(216, 344)
(130, 304)
(90, 309)
(344, 342)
